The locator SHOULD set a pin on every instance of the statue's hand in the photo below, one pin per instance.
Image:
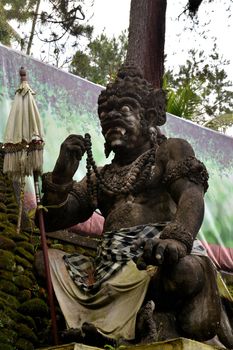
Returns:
(158, 251)
(71, 152)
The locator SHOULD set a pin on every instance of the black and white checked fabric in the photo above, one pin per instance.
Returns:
(115, 251)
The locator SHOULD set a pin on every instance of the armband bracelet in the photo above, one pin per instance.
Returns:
(176, 231)
(50, 186)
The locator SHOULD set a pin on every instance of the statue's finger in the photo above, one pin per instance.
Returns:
(138, 243)
(159, 253)
(141, 265)
(172, 255)
(148, 251)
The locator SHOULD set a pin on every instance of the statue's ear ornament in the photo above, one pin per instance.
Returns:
(156, 102)
(153, 135)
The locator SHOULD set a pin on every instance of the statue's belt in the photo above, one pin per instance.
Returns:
(115, 251)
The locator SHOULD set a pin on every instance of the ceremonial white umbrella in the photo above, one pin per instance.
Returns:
(23, 139)
(23, 148)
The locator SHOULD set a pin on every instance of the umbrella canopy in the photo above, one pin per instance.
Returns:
(23, 139)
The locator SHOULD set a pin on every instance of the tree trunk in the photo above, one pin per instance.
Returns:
(147, 38)
(33, 28)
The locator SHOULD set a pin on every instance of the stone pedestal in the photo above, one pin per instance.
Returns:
(174, 344)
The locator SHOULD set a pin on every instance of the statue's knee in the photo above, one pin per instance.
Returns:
(201, 329)
(185, 278)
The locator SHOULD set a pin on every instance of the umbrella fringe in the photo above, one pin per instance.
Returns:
(23, 163)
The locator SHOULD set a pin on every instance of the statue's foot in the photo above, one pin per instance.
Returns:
(146, 325)
(94, 338)
(72, 335)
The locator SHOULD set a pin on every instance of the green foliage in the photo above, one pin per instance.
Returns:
(184, 102)
(99, 63)
(200, 90)
(221, 122)
(19, 10)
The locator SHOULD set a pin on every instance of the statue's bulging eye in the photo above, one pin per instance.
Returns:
(125, 109)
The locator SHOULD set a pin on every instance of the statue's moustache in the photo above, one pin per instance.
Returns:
(116, 123)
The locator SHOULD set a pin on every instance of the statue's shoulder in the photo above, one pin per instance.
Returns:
(178, 160)
(175, 149)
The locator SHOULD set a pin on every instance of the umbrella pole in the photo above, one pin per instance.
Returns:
(46, 260)
(21, 199)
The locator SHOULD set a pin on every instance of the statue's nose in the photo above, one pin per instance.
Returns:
(113, 114)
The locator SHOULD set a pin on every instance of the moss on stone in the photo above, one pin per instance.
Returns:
(24, 344)
(12, 218)
(8, 230)
(23, 262)
(8, 287)
(23, 282)
(17, 237)
(7, 260)
(19, 270)
(25, 332)
(31, 275)
(34, 307)
(57, 246)
(8, 336)
(3, 218)
(24, 295)
(9, 299)
(7, 243)
(6, 322)
(3, 207)
(6, 346)
(24, 254)
(19, 318)
(7, 275)
(12, 206)
(27, 246)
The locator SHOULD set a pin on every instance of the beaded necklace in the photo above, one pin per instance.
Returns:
(113, 179)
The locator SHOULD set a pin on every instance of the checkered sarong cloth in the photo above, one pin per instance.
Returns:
(115, 251)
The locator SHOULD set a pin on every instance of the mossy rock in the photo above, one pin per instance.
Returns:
(7, 260)
(31, 275)
(19, 318)
(25, 332)
(57, 246)
(7, 275)
(12, 206)
(9, 299)
(8, 336)
(27, 246)
(13, 218)
(5, 346)
(8, 287)
(24, 254)
(70, 248)
(5, 189)
(23, 282)
(9, 230)
(12, 210)
(24, 344)
(20, 270)
(29, 321)
(3, 217)
(34, 307)
(6, 321)
(23, 262)
(3, 207)
(17, 237)
(24, 295)
(7, 243)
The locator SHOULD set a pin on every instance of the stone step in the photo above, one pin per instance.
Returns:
(174, 344)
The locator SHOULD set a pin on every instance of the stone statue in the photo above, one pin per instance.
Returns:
(151, 279)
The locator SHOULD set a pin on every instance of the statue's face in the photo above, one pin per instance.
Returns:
(120, 119)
